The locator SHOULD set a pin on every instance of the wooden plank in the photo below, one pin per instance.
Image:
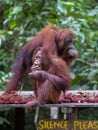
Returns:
(69, 105)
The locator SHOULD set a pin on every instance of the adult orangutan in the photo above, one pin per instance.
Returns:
(58, 41)
(50, 75)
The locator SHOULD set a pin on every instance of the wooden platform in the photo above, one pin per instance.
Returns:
(70, 110)
(67, 105)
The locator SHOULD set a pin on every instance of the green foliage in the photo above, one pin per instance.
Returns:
(21, 20)
(82, 16)
(6, 118)
(3, 120)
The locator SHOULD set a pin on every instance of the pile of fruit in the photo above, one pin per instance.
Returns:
(14, 98)
(80, 97)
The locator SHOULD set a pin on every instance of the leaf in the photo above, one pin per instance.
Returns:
(61, 8)
(16, 9)
(3, 120)
(68, 3)
(73, 76)
(13, 24)
(93, 12)
(92, 74)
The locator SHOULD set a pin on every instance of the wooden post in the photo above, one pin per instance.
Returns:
(64, 110)
(19, 118)
(54, 112)
(36, 117)
(72, 113)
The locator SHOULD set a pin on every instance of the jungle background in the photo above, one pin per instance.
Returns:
(22, 20)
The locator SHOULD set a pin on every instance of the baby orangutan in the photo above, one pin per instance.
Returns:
(50, 76)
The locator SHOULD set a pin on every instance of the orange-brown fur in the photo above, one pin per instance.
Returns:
(53, 78)
(50, 37)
